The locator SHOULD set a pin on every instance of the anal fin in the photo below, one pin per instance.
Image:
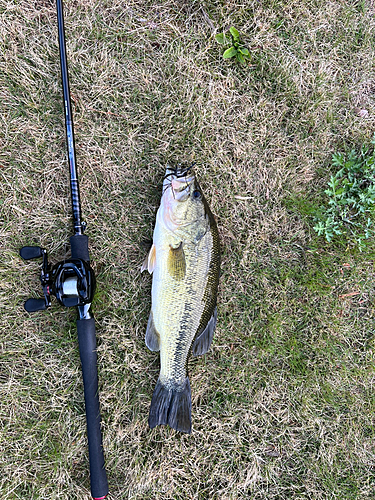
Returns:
(203, 341)
(152, 338)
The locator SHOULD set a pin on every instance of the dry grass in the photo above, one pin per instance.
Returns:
(283, 404)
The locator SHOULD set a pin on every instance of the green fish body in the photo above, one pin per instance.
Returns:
(185, 262)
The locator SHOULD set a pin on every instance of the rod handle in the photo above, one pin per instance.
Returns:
(79, 245)
(87, 349)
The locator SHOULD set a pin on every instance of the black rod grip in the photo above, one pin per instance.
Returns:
(79, 246)
(87, 349)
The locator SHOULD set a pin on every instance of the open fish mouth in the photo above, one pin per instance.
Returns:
(179, 171)
(180, 179)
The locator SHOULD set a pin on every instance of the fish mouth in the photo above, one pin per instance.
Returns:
(181, 170)
(180, 179)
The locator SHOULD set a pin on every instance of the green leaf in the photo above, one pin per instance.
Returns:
(319, 228)
(244, 51)
(220, 37)
(234, 33)
(337, 160)
(240, 57)
(231, 52)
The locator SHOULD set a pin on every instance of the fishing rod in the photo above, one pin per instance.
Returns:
(72, 282)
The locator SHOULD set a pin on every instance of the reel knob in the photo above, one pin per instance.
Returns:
(28, 253)
(32, 305)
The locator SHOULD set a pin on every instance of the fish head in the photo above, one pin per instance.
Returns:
(182, 201)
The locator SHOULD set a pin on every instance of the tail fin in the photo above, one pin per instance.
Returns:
(171, 406)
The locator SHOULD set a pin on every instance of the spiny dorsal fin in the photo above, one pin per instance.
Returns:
(176, 262)
(150, 261)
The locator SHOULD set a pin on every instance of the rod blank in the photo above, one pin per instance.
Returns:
(74, 187)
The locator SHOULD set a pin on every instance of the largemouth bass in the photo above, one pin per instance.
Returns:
(185, 262)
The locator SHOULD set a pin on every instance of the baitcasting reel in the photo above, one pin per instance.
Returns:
(71, 281)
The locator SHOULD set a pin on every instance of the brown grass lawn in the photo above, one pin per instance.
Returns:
(283, 403)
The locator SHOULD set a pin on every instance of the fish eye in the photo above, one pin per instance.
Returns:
(196, 194)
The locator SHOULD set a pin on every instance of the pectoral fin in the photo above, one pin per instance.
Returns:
(150, 261)
(152, 338)
(176, 262)
(203, 341)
